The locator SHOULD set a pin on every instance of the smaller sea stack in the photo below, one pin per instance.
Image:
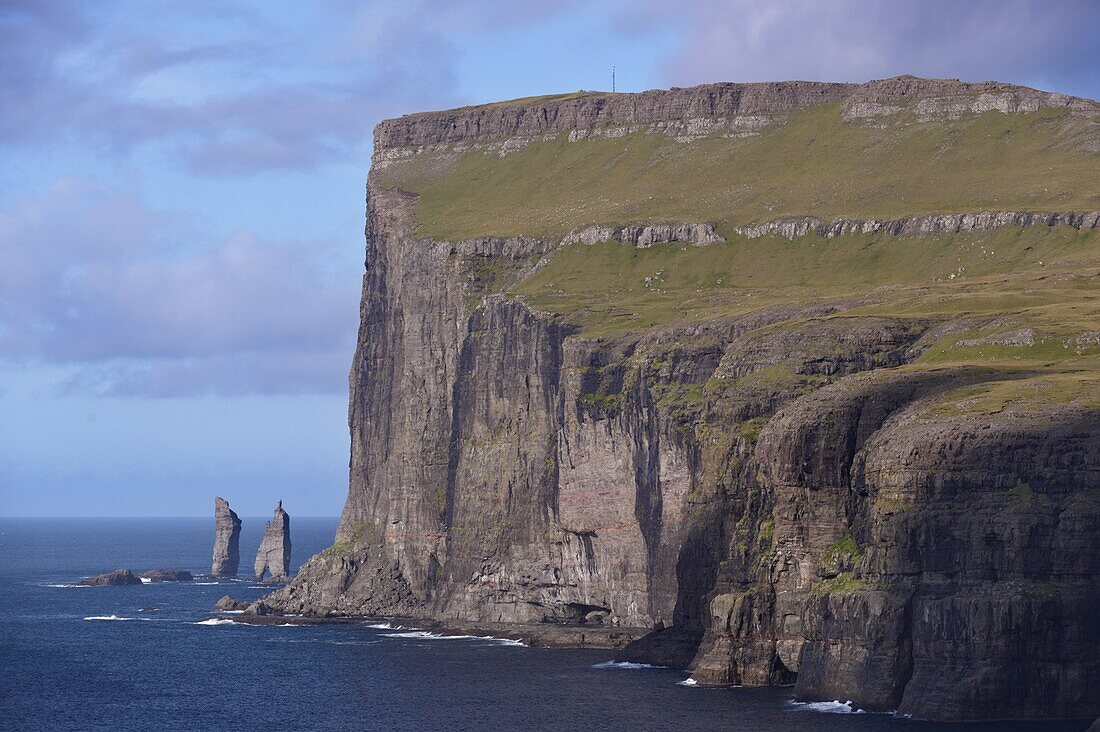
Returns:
(274, 554)
(227, 540)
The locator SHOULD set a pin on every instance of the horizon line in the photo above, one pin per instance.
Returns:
(143, 516)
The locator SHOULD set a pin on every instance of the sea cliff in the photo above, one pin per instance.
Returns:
(823, 453)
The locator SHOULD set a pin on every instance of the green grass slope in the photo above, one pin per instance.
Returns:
(815, 164)
(981, 285)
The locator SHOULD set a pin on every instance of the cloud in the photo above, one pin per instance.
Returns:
(271, 94)
(88, 280)
(1026, 41)
(238, 90)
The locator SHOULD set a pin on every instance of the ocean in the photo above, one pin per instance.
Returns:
(97, 658)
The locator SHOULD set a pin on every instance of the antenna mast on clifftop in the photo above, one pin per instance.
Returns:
(612, 79)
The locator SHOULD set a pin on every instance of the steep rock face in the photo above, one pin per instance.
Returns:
(784, 487)
(592, 111)
(597, 112)
(919, 562)
(227, 540)
(274, 554)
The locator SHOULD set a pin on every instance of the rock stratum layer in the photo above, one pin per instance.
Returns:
(274, 554)
(227, 540)
(873, 488)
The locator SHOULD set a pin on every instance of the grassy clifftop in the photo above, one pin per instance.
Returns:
(1012, 297)
(813, 163)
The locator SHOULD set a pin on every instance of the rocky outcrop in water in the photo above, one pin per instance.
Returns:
(119, 577)
(227, 540)
(167, 575)
(228, 603)
(274, 555)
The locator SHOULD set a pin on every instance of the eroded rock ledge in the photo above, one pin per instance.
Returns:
(643, 236)
(793, 228)
(594, 110)
(588, 112)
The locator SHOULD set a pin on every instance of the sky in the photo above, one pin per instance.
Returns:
(182, 199)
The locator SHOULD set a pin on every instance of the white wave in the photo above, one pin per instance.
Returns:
(428, 635)
(146, 580)
(831, 707)
(112, 617)
(688, 682)
(215, 621)
(624, 665)
(62, 585)
(353, 643)
(505, 641)
(206, 583)
(231, 612)
(384, 626)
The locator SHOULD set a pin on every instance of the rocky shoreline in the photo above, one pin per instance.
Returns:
(548, 635)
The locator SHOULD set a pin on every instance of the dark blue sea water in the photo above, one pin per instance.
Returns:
(90, 659)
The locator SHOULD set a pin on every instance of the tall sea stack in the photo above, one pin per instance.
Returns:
(274, 554)
(227, 540)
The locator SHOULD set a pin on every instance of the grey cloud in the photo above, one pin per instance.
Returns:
(1024, 41)
(84, 281)
(321, 372)
(273, 96)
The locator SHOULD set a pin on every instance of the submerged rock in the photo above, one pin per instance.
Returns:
(227, 539)
(118, 577)
(274, 554)
(228, 602)
(167, 575)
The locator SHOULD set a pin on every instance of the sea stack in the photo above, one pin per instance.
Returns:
(274, 554)
(227, 540)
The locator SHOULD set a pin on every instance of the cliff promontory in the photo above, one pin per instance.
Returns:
(803, 376)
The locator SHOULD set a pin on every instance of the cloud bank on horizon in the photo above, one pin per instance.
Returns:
(155, 153)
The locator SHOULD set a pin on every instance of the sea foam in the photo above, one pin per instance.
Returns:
(112, 617)
(624, 665)
(216, 621)
(64, 585)
(831, 707)
(428, 635)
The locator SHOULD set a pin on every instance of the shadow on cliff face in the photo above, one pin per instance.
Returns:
(893, 550)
